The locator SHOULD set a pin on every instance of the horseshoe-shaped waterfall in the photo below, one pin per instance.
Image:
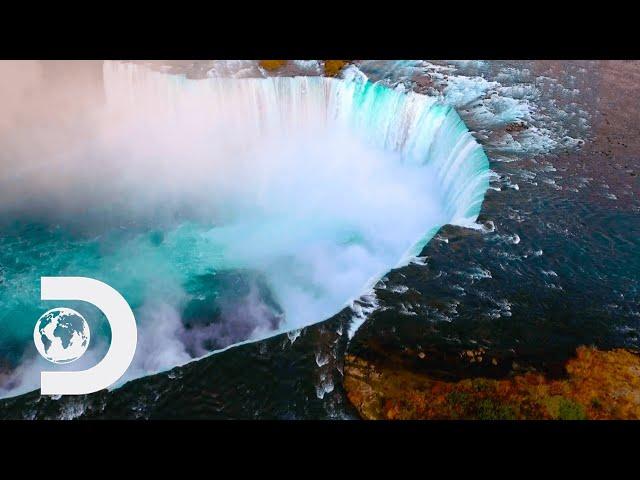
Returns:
(228, 210)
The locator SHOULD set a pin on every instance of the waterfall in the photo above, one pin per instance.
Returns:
(311, 188)
(419, 128)
(426, 136)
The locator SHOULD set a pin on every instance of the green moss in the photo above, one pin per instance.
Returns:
(562, 408)
(458, 399)
(569, 410)
(491, 410)
(482, 385)
(482, 409)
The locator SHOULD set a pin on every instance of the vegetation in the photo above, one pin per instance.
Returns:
(331, 67)
(272, 65)
(599, 385)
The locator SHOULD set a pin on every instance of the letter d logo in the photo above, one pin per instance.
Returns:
(124, 336)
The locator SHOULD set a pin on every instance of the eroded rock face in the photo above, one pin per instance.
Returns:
(597, 385)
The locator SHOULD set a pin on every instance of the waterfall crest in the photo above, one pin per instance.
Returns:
(228, 210)
(421, 129)
(424, 135)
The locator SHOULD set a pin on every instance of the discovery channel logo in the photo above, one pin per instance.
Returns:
(124, 335)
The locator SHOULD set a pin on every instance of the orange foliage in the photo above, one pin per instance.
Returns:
(333, 67)
(272, 65)
(599, 385)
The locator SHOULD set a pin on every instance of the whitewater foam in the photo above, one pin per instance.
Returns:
(317, 185)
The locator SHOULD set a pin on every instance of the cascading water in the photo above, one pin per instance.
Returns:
(228, 210)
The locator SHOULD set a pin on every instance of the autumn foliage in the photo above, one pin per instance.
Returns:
(598, 385)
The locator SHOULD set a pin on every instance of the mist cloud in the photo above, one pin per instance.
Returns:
(165, 179)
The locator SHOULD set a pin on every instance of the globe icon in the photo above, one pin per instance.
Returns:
(61, 335)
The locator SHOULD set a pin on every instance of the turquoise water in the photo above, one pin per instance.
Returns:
(229, 210)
